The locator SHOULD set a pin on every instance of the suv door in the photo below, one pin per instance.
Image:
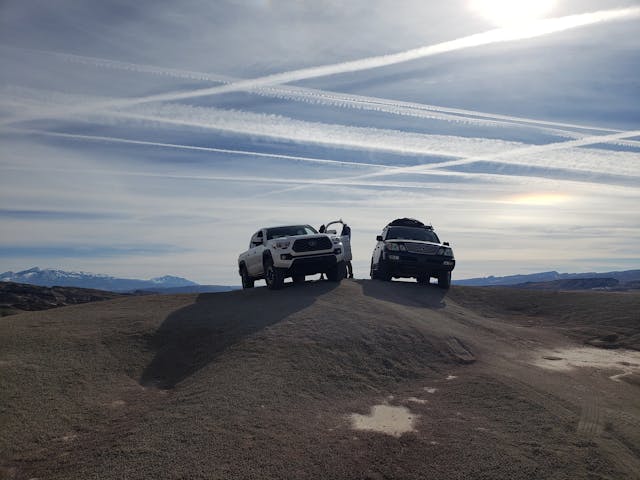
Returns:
(377, 251)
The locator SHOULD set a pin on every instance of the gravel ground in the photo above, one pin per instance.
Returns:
(362, 380)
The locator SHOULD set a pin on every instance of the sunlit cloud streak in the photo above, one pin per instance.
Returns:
(458, 150)
(461, 150)
(500, 35)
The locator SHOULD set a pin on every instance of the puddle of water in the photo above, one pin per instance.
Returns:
(385, 419)
(625, 361)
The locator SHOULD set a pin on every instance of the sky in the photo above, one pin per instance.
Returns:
(140, 139)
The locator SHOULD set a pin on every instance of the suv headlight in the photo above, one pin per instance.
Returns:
(283, 244)
(445, 251)
(395, 247)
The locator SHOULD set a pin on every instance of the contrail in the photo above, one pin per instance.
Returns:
(499, 35)
(458, 150)
(311, 95)
(418, 169)
(97, 138)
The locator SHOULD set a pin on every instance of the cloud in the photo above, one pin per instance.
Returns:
(204, 173)
(500, 35)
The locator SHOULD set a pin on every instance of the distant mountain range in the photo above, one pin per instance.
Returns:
(61, 278)
(172, 284)
(622, 277)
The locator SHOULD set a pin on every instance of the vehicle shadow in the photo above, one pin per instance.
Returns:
(405, 293)
(192, 337)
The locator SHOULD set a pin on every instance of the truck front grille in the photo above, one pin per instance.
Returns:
(312, 244)
(422, 248)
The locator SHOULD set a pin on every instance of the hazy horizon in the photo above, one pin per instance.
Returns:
(153, 139)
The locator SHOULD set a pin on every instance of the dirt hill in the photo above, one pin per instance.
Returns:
(362, 380)
(19, 297)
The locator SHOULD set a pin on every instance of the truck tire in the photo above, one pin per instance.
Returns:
(336, 273)
(274, 276)
(247, 281)
(444, 280)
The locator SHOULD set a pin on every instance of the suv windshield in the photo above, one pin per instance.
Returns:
(409, 233)
(278, 232)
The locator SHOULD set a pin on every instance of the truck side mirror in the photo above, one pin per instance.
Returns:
(379, 238)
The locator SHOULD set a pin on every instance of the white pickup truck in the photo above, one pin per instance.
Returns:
(276, 253)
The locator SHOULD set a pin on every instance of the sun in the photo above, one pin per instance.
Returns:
(506, 13)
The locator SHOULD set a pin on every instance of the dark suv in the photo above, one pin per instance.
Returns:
(409, 248)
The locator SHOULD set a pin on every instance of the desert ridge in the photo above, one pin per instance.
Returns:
(351, 380)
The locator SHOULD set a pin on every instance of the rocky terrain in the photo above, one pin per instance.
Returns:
(18, 297)
(365, 379)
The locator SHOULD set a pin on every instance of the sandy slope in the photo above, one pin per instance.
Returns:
(362, 380)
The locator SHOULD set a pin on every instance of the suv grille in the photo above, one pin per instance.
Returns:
(422, 248)
(312, 244)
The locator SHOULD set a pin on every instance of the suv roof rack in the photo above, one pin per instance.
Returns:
(409, 222)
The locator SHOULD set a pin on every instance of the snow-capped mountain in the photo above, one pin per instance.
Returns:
(50, 277)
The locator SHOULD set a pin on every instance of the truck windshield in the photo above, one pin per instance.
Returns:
(409, 233)
(278, 232)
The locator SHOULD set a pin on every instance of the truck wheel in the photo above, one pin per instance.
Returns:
(273, 276)
(298, 279)
(336, 273)
(247, 281)
(444, 280)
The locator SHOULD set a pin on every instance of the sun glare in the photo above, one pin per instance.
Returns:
(538, 199)
(505, 13)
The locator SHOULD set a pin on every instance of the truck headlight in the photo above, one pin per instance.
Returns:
(283, 244)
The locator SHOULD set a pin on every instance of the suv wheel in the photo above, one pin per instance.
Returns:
(383, 274)
(444, 279)
(423, 280)
(372, 273)
(272, 275)
(247, 281)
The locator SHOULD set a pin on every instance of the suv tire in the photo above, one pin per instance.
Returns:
(383, 274)
(444, 280)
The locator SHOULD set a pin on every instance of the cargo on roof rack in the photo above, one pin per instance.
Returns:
(408, 222)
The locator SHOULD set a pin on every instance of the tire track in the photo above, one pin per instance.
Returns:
(590, 423)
